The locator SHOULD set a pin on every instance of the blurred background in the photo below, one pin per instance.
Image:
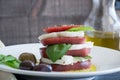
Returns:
(22, 21)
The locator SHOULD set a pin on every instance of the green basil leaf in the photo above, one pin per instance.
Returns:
(2, 58)
(9, 60)
(14, 64)
(81, 28)
(82, 58)
(54, 52)
(88, 57)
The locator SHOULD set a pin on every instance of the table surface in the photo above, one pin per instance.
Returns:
(114, 76)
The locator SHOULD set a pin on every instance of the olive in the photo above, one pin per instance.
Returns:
(27, 56)
(43, 67)
(26, 65)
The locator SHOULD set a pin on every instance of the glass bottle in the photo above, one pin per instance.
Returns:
(103, 16)
(104, 20)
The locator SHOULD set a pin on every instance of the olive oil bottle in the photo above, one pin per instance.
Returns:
(103, 18)
(104, 39)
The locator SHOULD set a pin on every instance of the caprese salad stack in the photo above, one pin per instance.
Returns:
(66, 48)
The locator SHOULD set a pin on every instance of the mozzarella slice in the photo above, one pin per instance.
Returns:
(61, 34)
(49, 35)
(71, 34)
(65, 60)
(81, 46)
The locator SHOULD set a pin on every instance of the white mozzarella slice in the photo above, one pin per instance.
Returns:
(71, 34)
(81, 46)
(49, 35)
(61, 34)
(65, 60)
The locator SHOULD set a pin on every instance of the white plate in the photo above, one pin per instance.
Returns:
(106, 60)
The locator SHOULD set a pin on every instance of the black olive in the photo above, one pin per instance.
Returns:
(26, 65)
(27, 56)
(43, 68)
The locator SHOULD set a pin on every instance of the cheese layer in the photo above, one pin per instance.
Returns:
(81, 46)
(61, 34)
(65, 60)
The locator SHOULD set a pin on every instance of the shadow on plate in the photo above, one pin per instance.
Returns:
(26, 77)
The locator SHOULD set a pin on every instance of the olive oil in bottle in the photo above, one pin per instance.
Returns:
(104, 39)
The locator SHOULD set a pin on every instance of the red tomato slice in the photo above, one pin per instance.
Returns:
(76, 66)
(60, 40)
(59, 28)
(82, 52)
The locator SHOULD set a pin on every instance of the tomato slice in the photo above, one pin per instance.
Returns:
(76, 66)
(60, 40)
(76, 53)
(59, 28)
(80, 52)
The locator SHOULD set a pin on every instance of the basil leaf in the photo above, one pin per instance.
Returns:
(82, 58)
(88, 57)
(9, 60)
(14, 64)
(54, 52)
(81, 28)
(2, 58)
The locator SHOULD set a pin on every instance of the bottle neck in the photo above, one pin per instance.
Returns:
(95, 8)
(103, 16)
(108, 3)
(110, 21)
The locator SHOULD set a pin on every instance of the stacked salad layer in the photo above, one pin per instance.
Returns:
(66, 48)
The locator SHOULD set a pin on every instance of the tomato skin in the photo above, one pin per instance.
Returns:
(76, 66)
(81, 52)
(60, 40)
(43, 52)
(76, 53)
(59, 28)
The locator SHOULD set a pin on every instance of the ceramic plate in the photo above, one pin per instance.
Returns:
(106, 60)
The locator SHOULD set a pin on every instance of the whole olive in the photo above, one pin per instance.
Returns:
(43, 68)
(27, 56)
(26, 65)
